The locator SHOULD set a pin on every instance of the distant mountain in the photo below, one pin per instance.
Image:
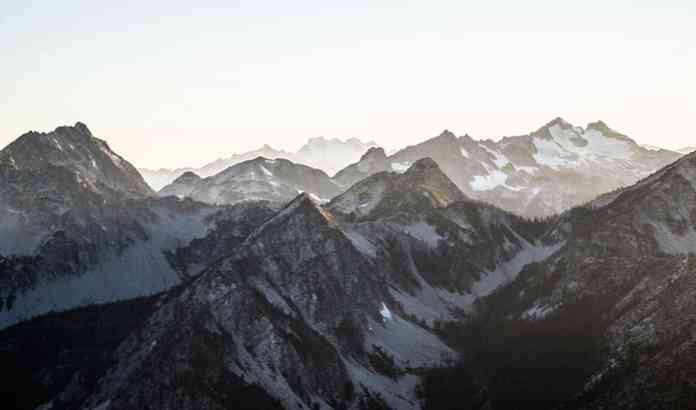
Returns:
(372, 162)
(546, 172)
(687, 150)
(319, 307)
(275, 180)
(329, 155)
(182, 186)
(610, 312)
(651, 147)
(78, 225)
(332, 154)
(159, 178)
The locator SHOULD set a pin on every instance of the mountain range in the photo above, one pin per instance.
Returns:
(544, 173)
(403, 282)
(550, 170)
(327, 154)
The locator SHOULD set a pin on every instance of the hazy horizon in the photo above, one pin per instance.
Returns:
(167, 86)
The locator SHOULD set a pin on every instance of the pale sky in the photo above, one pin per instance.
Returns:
(167, 85)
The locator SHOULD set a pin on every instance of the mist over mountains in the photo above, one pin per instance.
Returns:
(327, 154)
(554, 269)
(540, 174)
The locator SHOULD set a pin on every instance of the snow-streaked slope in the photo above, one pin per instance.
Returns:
(277, 180)
(540, 174)
(119, 262)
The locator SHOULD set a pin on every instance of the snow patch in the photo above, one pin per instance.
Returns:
(400, 167)
(265, 171)
(57, 144)
(562, 151)
(499, 159)
(491, 181)
(385, 312)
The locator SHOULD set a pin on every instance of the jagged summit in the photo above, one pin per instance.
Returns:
(559, 121)
(374, 152)
(545, 132)
(371, 162)
(260, 178)
(302, 214)
(447, 134)
(76, 150)
(423, 185)
(188, 176)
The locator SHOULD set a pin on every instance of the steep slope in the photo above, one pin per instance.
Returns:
(74, 150)
(323, 309)
(372, 162)
(182, 186)
(277, 180)
(450, 248)
(422, 184)
(228, 229)
(297, 311)
(537, 175)
(79, 226)
(43, 176)
(629, 264)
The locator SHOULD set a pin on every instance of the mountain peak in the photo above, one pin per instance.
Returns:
(600, 126)
(603, 128)
(545, 131)
(423, 165)
(447, 134)
(76, 151)
(423, 186)
(187, 176)
(82, 127)
(559, 122)
(374, 152)
(302, 213)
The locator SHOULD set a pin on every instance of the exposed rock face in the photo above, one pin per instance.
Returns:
(76, 151)
(78, 225)
(182, 186)
(372, 162)
(544, 173)
(341, 304)
(423, 185)
(276, 180)
(228, 228)
(319, 307)
(632, 254)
